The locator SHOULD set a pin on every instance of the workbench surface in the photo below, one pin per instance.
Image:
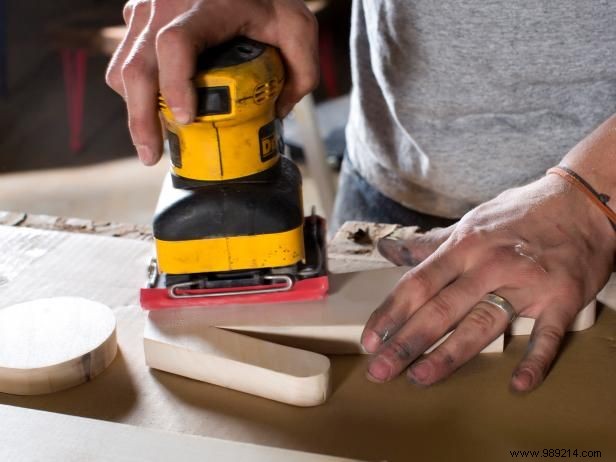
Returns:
(472, 416)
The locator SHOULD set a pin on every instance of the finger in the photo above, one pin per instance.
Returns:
(414, 289)
(501, 267)
(476, 331)
(287, 25)
(129, 8)
(180, 41)
(177, 47)
(136, 16)
(140, 78)
(543, 346)
(415, 249)
(429, 324)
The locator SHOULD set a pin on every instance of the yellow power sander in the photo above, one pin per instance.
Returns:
(231, 229)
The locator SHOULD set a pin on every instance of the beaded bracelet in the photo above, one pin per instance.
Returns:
(599, 199)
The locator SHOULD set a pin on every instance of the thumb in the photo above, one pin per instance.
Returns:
(411, 250)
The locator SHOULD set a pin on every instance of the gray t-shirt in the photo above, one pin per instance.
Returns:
(454, 102)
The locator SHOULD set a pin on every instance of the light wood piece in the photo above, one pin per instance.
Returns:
(184, 343)
(584, 319)
(238, 362)
(30, 435)
(330, 326)
(51, 344)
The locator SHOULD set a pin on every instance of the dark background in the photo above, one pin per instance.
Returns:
(34, 130)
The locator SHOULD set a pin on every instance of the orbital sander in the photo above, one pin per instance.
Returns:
(230, 226)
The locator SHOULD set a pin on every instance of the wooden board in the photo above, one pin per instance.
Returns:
(30, 435)
(330, 326)
(584, 320)
(39, 264)
(51, 344)
(238, 362)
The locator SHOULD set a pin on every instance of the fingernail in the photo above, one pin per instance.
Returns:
(371, 341)
(389, 248)
(396, 251)
(181, 116)
(420, 373)
(145, 154)
(521, 380)
(379, 370)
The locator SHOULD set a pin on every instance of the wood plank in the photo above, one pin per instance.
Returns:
(239, 362)
(584, 320)
(330, 326)
(345, 254)
(30, 435)
(38, 264)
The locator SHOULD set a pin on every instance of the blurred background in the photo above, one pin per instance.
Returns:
(65, 149)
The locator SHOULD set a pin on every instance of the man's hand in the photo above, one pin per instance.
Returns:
(164, 37)
(543, 247)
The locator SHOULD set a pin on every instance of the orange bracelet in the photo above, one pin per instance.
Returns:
(599, 199)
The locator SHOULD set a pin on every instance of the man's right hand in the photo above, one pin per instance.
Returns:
(164, 37)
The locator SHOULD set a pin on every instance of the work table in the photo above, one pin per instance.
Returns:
(472, 416)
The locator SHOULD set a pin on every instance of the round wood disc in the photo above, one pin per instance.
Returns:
(51, 344)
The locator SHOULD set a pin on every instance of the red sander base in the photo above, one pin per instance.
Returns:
(307, 289)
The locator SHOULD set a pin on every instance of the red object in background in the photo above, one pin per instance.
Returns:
(328, 62)
(74, 65)
(304, 290)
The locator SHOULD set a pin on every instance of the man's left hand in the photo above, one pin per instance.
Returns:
(543, 247)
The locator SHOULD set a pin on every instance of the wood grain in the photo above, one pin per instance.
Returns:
(51, 344)
(238, 362)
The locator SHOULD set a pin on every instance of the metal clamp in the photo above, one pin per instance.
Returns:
(285, 279)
